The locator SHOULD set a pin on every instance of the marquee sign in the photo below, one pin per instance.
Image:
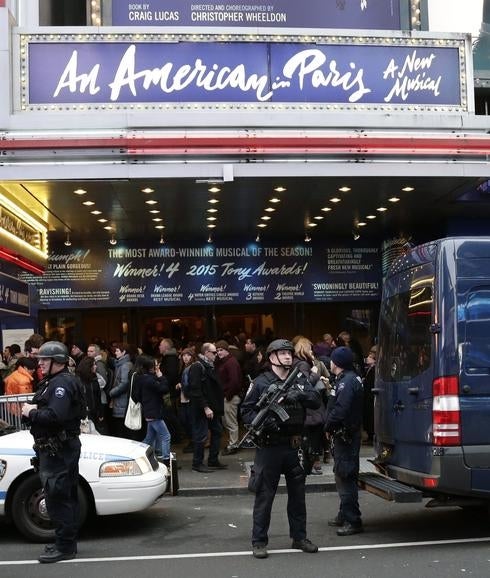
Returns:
(346, 14)
(340, 72)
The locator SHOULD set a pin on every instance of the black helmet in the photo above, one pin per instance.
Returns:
(55, 350)
(279, 344)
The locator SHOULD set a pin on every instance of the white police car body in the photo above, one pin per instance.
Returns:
(116, 476)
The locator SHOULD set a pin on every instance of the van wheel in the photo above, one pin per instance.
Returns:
(29, 512)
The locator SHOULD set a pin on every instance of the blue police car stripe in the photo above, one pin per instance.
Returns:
(16, 452)
(3, 495)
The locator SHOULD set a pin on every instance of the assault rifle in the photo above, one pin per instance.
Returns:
(269, 404)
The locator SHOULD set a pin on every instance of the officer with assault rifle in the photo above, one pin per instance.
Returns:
(274, 410)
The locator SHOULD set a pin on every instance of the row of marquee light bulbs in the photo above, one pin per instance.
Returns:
(212, 213)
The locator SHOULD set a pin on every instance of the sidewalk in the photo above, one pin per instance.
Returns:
(234, 479)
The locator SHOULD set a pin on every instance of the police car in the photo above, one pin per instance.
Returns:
(117, 476)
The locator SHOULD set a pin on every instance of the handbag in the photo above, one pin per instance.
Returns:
(133, 413)
(87, 426)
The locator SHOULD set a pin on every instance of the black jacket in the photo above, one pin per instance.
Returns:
(345, 403)
(149, 389)
(206, 388)
(296, 409)
(60, 405)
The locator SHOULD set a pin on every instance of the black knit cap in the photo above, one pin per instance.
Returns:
(342, 357)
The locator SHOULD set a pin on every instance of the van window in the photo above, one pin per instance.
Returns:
(405, 338)
(477, 317)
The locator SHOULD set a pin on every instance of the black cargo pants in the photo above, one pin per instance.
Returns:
(59, 478)
(270, 462)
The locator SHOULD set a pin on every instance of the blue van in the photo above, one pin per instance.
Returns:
(432, 387)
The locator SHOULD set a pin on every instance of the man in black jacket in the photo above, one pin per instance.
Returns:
(207, 408)
(54, 417)
(343, 427)
(280, 449)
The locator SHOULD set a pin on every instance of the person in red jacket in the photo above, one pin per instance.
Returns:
(230, 375)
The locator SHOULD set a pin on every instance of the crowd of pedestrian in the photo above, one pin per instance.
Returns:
(196, 393)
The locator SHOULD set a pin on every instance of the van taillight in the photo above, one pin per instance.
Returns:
(446, 415)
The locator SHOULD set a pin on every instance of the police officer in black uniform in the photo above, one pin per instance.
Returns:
(279, 450)
(343, 427)
(54, 416)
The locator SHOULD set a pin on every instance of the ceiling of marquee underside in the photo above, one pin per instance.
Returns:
(183, 206)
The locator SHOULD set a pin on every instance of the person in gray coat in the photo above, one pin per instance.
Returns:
(119, 393)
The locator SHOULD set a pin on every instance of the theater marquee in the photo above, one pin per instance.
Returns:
(165, 72)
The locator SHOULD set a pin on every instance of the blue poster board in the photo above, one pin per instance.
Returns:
(164, 275)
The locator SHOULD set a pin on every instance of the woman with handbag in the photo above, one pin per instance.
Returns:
(148, 388)
(95, 418)
(119, 392)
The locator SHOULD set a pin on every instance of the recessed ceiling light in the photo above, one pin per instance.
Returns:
(157, 219)
(102, 220)
(370, 216)
(154, 211)
(214, 189)
(344, 189)
(319, 217)
(96, 212)
(210, 218)
(262, 225)
(151, 202)
(213, 201)
(394, 200)
(147, 190)
(274, 200)
(212, 210)
(280, 189)
(312, 224)
(80, 192)
(335, 200)
(108, 228)
(265, 218)
(326, 209)
(159, 226)
(269, 209)
(408, 189)
(361, 224)
(381, 209)
(211, 226)
(88, 203)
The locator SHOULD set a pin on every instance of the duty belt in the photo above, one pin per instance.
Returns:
(293, 441)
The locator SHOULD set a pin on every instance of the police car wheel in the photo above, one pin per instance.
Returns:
(29, 512)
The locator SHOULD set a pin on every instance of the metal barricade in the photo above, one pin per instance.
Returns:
(11, 409)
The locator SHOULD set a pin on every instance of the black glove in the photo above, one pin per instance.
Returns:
(294, 395)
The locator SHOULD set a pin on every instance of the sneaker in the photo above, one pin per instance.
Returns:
(335, 522)
(259, 550)
(305, 545)
(55, 556)
(217, 465)
(348, 529)
(317, 471)
(229, 451)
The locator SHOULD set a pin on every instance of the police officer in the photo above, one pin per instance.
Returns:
(54, 417)
(279, 450)
(343, 427)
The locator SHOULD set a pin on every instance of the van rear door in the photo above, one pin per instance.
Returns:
(404, 400)
(474, 379)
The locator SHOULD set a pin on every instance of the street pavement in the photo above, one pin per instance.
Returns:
(234, 479)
